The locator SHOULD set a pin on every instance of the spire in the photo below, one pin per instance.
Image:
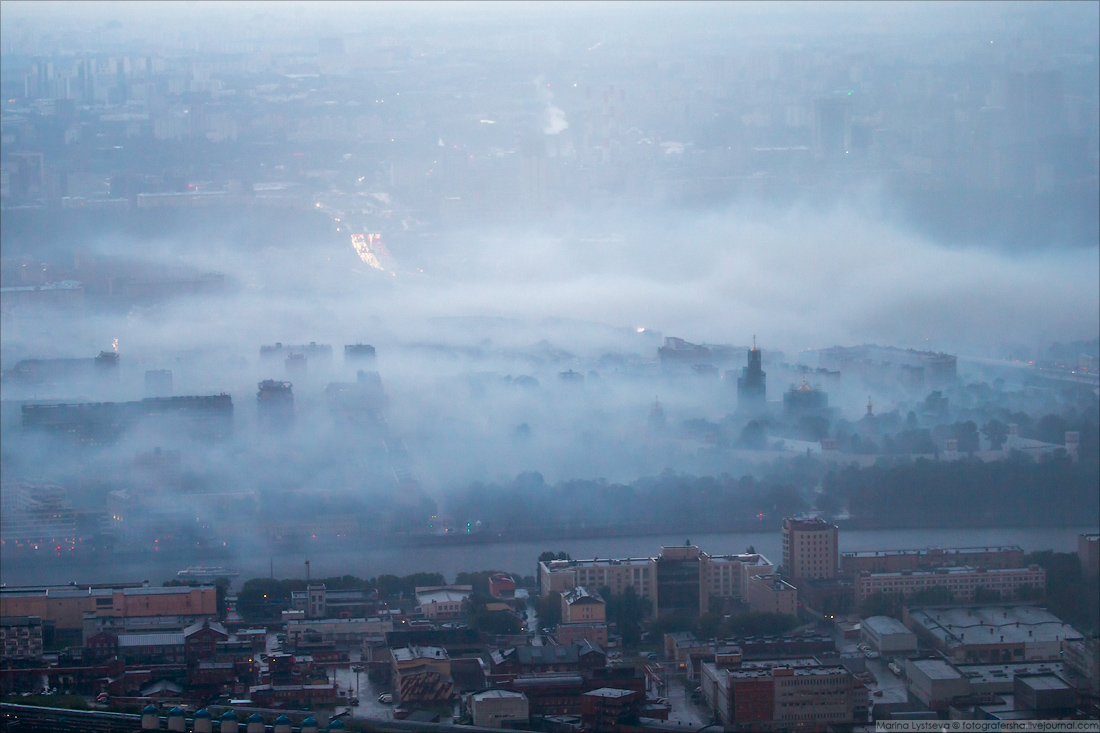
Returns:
(754, 342)
(869, 411)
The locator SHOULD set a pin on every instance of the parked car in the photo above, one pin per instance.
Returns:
(102, 698)
(649, 655)
(871, 655)
(386, 698)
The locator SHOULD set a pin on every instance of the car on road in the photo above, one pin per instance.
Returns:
(386, 698)
(650, 655)
(871, 654)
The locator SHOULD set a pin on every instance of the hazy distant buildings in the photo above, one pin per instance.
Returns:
(832, 126)
(102, 422)
(657, 420)
(158, 383)
(275, 404)
(358, 352)
(805, 400)
(752, 384)
(50, 371)
(312, 350)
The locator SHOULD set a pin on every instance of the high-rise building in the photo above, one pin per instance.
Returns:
(275, 403)
(809, 549)
(752, 384)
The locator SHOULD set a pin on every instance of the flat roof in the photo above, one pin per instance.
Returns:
(408, 654)
(150, 640)
(1044, 682)
(937, 669)
(960, 570)
(957, 626)
(988, 673)
(883, 625)
(932, 551)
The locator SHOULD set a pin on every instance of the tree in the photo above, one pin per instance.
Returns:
(753, 436)
(996, 432)
(967, 435)
(482, 619)
(548, 609)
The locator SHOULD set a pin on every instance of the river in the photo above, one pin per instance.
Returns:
(509, 556)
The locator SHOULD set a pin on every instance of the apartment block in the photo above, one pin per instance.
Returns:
(810, 548)
(962, 582)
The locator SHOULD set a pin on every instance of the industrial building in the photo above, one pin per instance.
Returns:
(1008, 633)
(887, 635)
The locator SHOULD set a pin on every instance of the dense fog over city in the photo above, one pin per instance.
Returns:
(523, 208)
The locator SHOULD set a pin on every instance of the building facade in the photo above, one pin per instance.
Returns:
(894, 561)
(681, 578)
(771, 594)
(810, 549)
(964, 583)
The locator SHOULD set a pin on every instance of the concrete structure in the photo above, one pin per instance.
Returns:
(1014, 633)
(680, 578)
(21, 638)
(443, 601)
(810, 548)
(887, 635)
(894, 561)
(498, 708)
(1088, 552)
(66, 606)
(987, 680)
(606, 708)
(793, 694)
(339, 631)
(935, 682)
(1083, 662)
(320, 602)
(1043, 693)
(963, 583)
(595, 633)
(771, 594)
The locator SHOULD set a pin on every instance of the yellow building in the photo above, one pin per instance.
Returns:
(66, 606)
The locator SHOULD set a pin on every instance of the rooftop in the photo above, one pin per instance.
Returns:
(442, 595)
(1018, 624)
(411, 653)
(883, 625)
(1044, 682)
(133, 640)
(962, 570)
(937, 669)
(932, 551)
(987, 673)
(496, 694)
